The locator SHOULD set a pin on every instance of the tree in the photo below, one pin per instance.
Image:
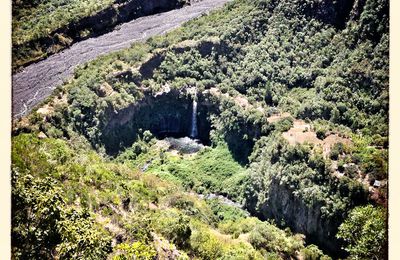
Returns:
(44, 226)
(364, 231)
(36, 208)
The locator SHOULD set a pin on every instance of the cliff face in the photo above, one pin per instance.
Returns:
(166, 114)
(169, 113)
(288, 210)
(336, 13)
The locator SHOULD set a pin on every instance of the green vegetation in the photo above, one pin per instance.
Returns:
(308, 58)
(44, 27)
(284, 124)
(136, 249)
(261, 64)
(209, 171)
(365, 232)
(373, 159)
(37, 19)
(70, 202)
(43, 223)
(304, 172)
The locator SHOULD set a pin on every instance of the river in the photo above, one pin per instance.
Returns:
(37, 81)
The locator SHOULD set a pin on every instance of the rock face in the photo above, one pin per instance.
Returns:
(332, 12)
(164, 115)
(288, 210)
(169, 114)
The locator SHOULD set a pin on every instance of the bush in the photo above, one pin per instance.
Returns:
(365, 233)
(174, 226)
(206, 245)
(226, 212)
(321, 134)
(36, 210)
(240, 226)
(136, 250)
(81, 238)
(266, 236)
(44, 225)
(240, 251)
(351, 171)
(284, 125)
(312, 252)
(336, 150)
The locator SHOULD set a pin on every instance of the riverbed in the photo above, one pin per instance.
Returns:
(37, 81)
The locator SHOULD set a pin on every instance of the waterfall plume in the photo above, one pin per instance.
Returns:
(193, 130)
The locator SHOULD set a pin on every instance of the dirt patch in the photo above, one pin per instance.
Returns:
(45, 110)
(276, 118)
(49, 107)
(242, 101)
(303, 132)
(331, 140)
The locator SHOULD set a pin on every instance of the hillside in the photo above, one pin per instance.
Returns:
(289, 100)
(45, 27)
(38, 80)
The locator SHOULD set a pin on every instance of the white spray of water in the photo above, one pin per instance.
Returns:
(194, 131)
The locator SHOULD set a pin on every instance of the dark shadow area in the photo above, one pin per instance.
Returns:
(240, 134)
(336, 13)
(167, 115)
(170, 115)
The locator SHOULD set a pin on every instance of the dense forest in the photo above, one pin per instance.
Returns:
(291, 160)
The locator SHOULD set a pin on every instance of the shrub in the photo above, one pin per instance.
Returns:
(81, 238)
(312, 252)
(44, 225)
(364, 232)
(284, 125)
(136, 250)
(240, 251)
(321, 134)
(266, 236)
(239, 226)
(174, 226)
(336, 150)
(206, 245)
(351, 171)
(36, 210)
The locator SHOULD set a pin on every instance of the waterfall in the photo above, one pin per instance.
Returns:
(193, 131)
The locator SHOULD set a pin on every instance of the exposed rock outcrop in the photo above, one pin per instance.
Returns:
(336, 13)
(167, 114)
(288, 210)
